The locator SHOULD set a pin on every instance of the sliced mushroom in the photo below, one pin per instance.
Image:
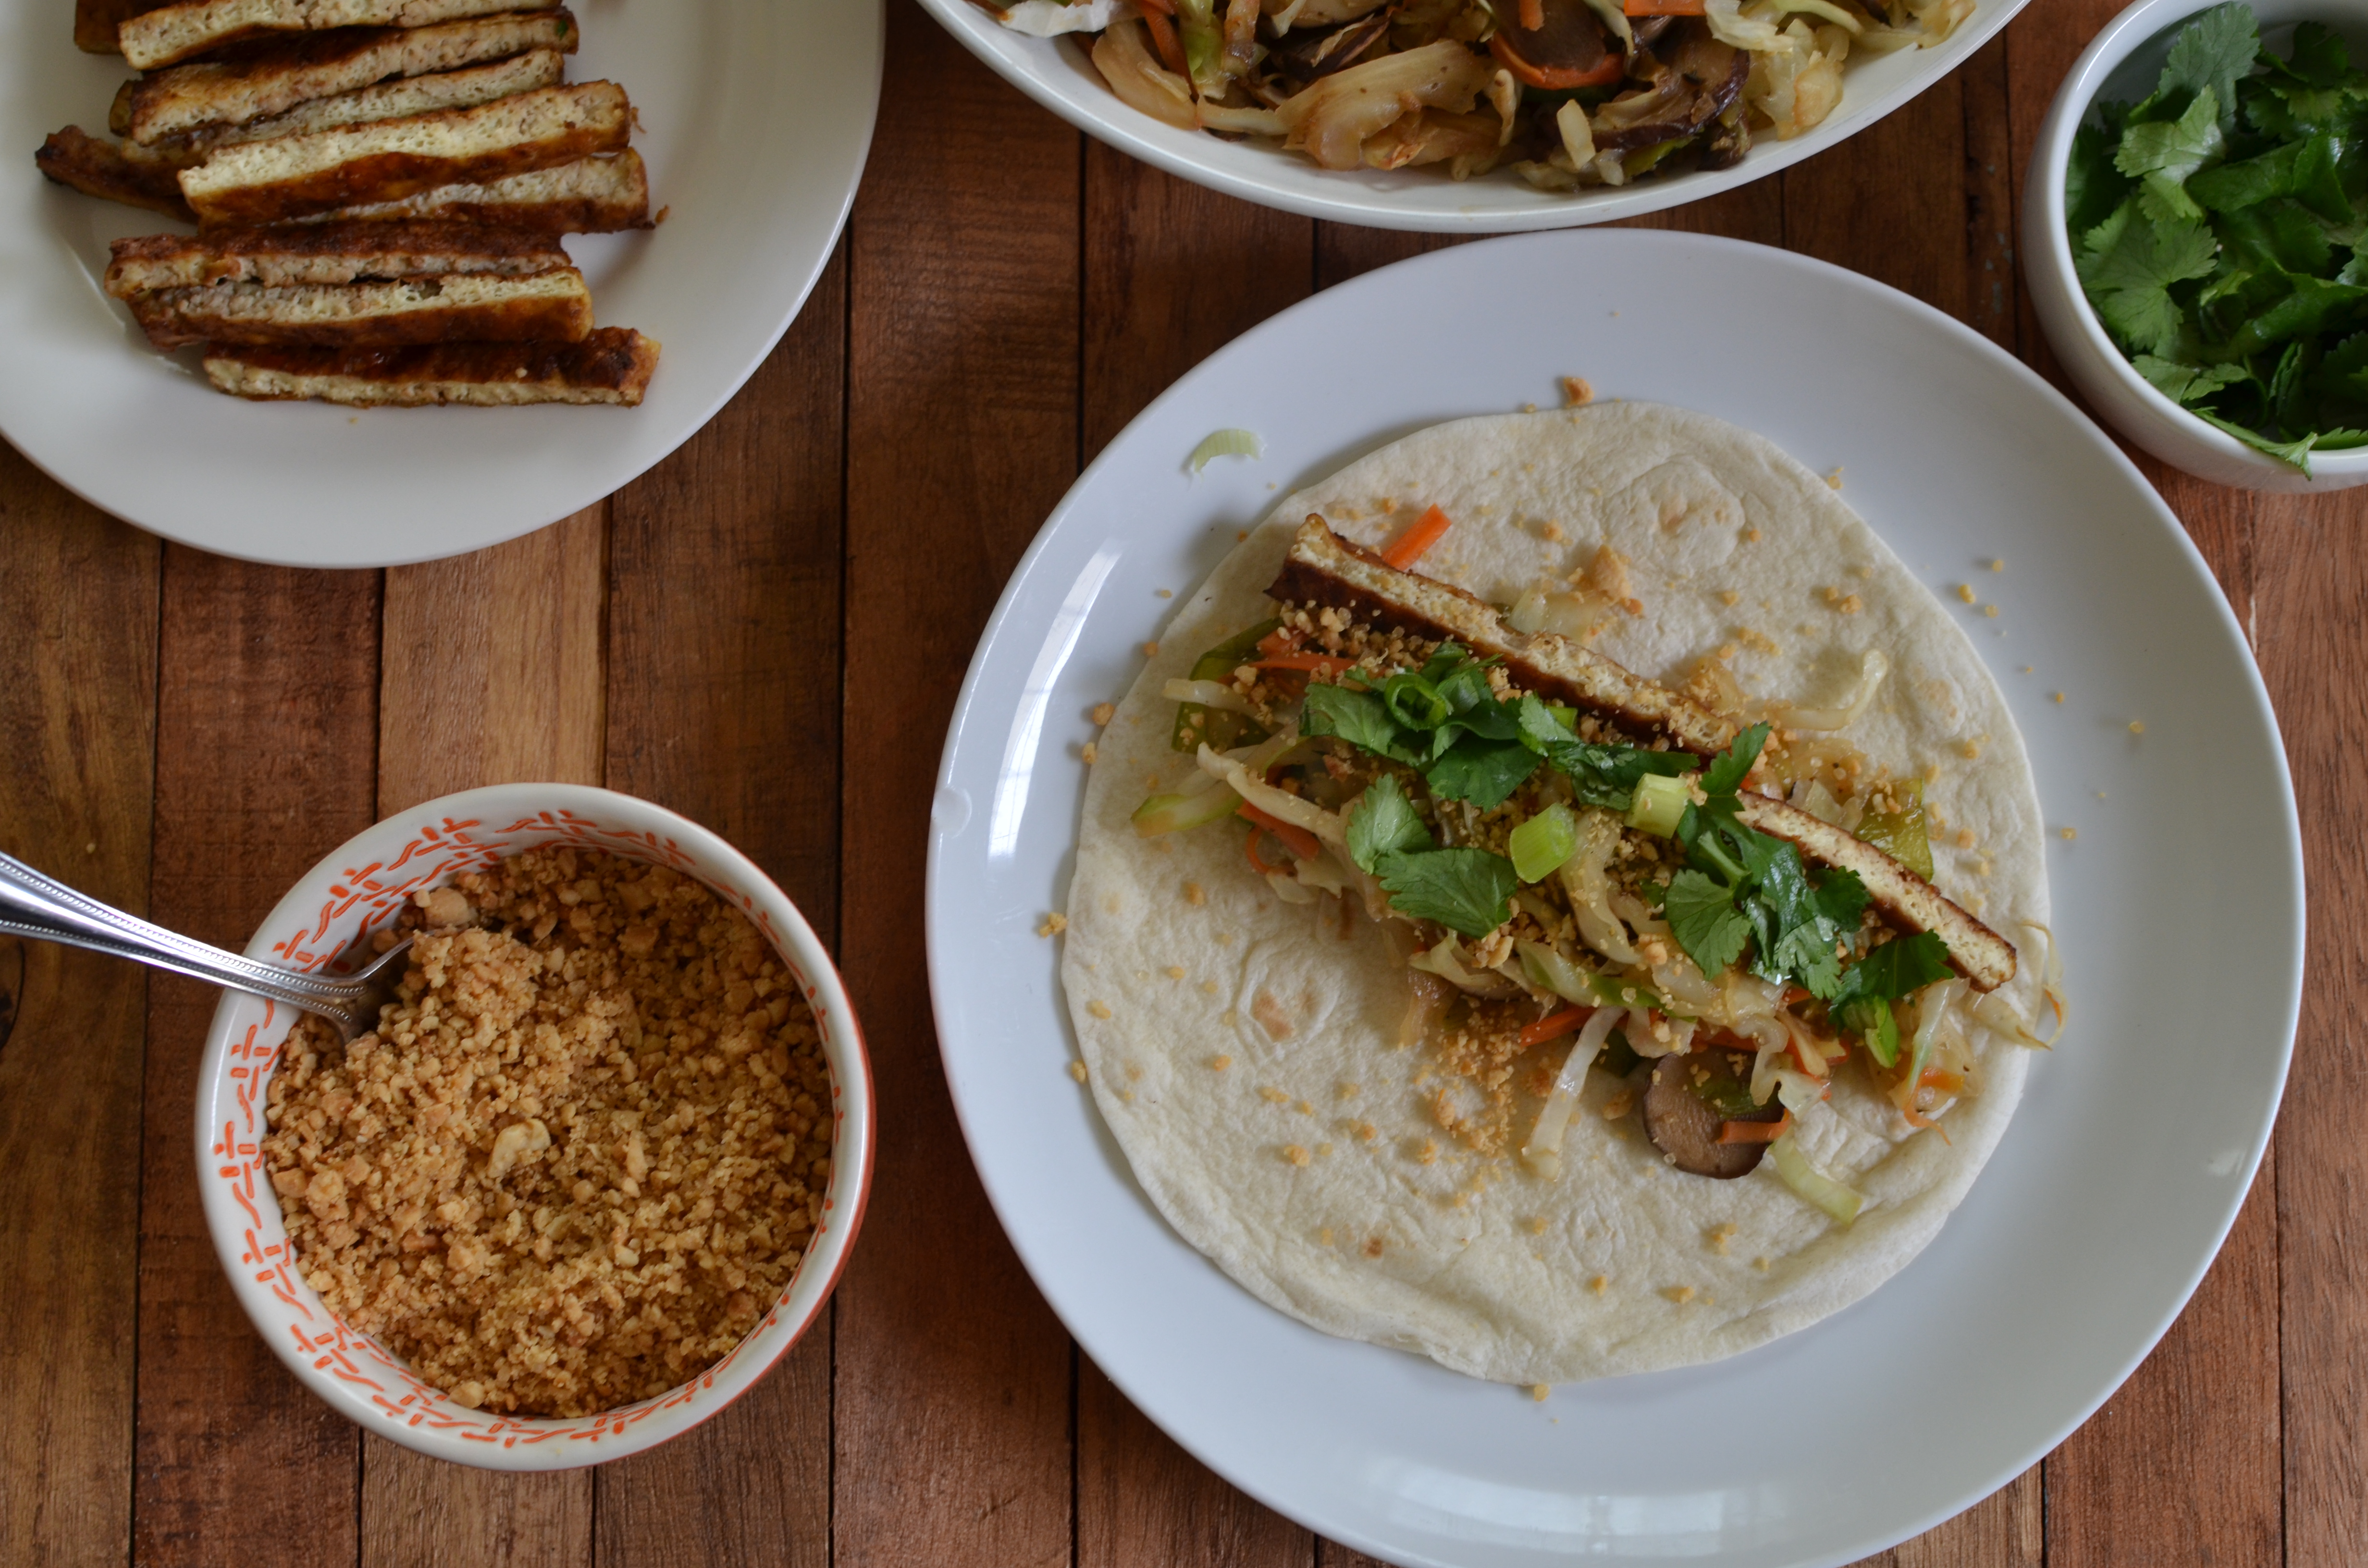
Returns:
(1691, 1097)
(1304, 56)
(1570, 48)
(1693, 79)
(1726, 140)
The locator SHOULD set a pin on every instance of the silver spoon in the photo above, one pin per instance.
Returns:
(47, 910)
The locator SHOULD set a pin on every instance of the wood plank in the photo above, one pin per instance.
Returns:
(78, 721)
(490, 671)
(953, 1383)
(2312, 582)
(724, 661)
(1891, 202)
(266, 761)
(2005, 1530)
(1172, 273)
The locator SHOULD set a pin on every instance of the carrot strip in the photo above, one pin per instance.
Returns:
(1940, 1078)
(1250, 848)
(1661, 8)
(1278, 643)
(1813, 1062)
(1163, 40)
(1165, 7)
(1554, 1024)
(1409, 545)
(1533, 16)
(1296, 839)
(1755, 1132)
(1314, 663)
(1555, 78)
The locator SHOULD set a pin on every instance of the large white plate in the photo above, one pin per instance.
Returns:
(2178, 907)
(1057, 73)
(755, 117)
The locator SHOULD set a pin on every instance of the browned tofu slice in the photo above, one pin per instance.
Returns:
(268, 182)
(278, 78)
(590, 195)
(328, 254)
(82, 161)
(170, 34)
(388, 312)
(611, 366)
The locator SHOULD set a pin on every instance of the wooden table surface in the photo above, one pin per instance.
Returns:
(766, 633)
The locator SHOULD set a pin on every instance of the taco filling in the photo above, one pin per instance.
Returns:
(1563, 849)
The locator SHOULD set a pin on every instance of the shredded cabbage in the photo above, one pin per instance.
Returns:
(1277, 804)
(1135, 75)
(1227, 443)
(1208, 694)
(1871, 667)
(1542, 1152)
(1843, 1203)
(1587, 883)
(1176, 812)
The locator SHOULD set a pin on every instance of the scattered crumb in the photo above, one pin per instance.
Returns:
(1303, 1108)
(1091, 753)
(1536, 1225)
(1538, 1392)
(1166, 593)
(1151, 650)
(2056, 696)
(1576, 394)
(1553, 533)
(1728, 596)
(1619, 1105)
(1324, 1151)
(1970, 750)
(1990, 610)
(1852, 604)
(1348, 1091)
(1931, 773)
(1098, 1008)
(1528, 408)
(1241, 535)
(1195, 896)
(1680, 1294)
(1998, 565)
(1965, 592)
(1834, 480)
(1175, 971)
(1324, 1236)
(1272, 1096)
(1208, 988)
(1719, 1235)
(1054, 924)
(1964, 838)
(1366, 1133)
(1598, 1284)
(1427, 1153)
(1078, 1071)
(1295, 1154)
(2071, 833)
(2138, 726)
(1104, 713)
(1751, 536)
(1374, 1246)
(1218, 1064)
(1760, 1264)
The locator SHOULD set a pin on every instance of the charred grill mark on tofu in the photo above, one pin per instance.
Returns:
(1325, 569)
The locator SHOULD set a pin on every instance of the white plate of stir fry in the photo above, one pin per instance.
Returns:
(1473, 116)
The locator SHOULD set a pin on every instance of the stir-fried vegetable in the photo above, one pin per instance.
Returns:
(1196, 724)
(1540, 844)
(1806, 1178)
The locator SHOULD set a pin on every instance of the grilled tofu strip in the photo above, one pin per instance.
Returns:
(1325, 569)
(75, 158)
(171, 34)
(328, 254)
(398, 99)
(266, 182)
(237, 92)
(548, 306)
(611, 366)
(590, 195)
(1985, 959)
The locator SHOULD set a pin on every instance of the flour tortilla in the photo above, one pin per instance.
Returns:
(1275, 1042)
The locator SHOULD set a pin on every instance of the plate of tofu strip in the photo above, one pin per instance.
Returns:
(1678, 660)
(360, 282)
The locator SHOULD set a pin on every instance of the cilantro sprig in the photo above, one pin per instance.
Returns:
(2220, 230)
(1468, 891)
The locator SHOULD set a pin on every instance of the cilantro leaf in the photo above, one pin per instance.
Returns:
(1704, 919)
(2162, 154)
(1540, 726)
(1727, 770)
(1604, 775)
(1357, 717)
(2320, 59)
(2209, 55)
(2092, 186)
(2312, 306)
(2128, 265)
(1484, 772)
(1385, 823)
(1468, 891)
(1899, 968)
(2187, 383)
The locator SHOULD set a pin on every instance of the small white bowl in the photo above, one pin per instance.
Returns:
(363, 885)
(1057, 73)
(2122, 62)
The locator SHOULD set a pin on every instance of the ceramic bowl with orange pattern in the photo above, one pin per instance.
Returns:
(364, 885)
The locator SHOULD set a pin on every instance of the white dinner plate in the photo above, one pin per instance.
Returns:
(1057, 73)
(754, 117)
(2179, 906)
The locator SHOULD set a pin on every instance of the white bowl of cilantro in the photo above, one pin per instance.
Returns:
(2195, 236)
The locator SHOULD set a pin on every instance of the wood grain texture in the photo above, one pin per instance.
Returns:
(2311, 578)
(724, 660)
(78, 721)
(490, 671)
(266, 760)
(953, 1378)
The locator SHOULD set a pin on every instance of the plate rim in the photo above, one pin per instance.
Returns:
(563, 501)
(945, 1010)
(964, 18)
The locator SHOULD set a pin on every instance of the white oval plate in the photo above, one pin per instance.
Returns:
(2178, 907)
(1057, 73)
(755, 118)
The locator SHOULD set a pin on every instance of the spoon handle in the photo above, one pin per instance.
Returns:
(47, 910)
